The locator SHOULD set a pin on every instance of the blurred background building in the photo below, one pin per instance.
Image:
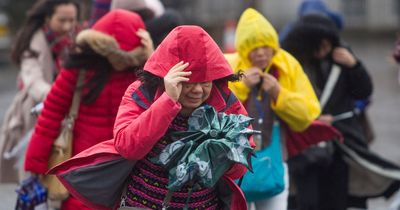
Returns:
(359, 15)
(365, 15)
(368, 15)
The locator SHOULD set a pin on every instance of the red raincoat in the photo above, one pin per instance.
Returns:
(143, 118)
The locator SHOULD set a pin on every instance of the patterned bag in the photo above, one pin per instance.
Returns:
(32, 195)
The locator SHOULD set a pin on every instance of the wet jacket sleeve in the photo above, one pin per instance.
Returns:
(297, 103)
(56, 107)
(137, 130)
(360, 84)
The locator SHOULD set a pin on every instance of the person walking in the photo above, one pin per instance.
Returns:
(37, 50)
(274, 79)
(339, 177)
(109, 54)
(320, 7)
(186, 85)
(186, 74)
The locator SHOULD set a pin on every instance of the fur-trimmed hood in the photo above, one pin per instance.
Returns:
(114, 37)
(121, 25)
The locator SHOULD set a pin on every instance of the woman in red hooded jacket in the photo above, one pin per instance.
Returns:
(186, 71)
(109, 53)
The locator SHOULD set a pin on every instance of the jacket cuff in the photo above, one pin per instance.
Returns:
(357, 66)
(37, 167)
(167, 102)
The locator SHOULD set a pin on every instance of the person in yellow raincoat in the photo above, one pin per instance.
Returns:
(274, 81)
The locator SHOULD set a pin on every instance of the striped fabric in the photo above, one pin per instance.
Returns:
(147, 186)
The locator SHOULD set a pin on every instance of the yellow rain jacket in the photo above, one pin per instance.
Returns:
(296, 104)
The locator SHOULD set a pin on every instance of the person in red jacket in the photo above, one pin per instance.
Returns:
(186, 71)
(109, 53)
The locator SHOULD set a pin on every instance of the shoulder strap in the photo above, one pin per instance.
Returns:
(330, 85)
(76, 99)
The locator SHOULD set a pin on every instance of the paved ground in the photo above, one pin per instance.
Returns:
(375, 51)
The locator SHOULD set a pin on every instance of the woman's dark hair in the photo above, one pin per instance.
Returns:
(307, 34)
(36, 18)
(85, 58)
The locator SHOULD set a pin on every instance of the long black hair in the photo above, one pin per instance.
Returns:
(36, 18)
(307, 34)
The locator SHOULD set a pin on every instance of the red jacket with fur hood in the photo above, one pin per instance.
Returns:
(95, 121)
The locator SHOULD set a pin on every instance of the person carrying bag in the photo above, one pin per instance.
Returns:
(111, 52)
(267, 179)
(62, 147)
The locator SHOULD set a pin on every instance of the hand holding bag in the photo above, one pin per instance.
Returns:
(62, 147)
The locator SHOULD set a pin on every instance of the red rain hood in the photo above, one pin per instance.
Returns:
(122, 25)
(189, 44)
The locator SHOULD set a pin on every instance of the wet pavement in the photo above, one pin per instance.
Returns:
(375, 52)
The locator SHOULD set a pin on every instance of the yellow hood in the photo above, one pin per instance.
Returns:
(253, 31)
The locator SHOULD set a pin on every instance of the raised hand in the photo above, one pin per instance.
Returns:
(343, 56)
(270, 85)
(146, 41)
(326, 118)
(252, 77)
(174, 78)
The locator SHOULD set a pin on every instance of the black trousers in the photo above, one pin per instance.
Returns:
(322, 187)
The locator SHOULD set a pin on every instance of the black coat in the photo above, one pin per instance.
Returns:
(353, 84)
(350, 173)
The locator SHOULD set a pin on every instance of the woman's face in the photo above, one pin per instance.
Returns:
(261, 56)
(64, 18)
(193, 95)
(324, 50)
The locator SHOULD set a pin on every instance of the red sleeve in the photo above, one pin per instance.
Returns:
(137, 130)
(238, 170)
(56, 106)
